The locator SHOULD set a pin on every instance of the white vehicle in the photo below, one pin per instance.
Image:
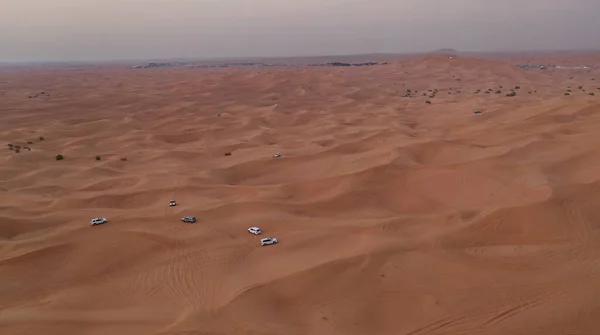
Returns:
(254, 230)
(97, 221)
(268, 241)
(188, 219)
(172, 203)
(277, 155)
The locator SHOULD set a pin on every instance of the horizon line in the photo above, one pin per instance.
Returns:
(232, 58)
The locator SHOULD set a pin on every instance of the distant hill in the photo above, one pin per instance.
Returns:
(445, 51)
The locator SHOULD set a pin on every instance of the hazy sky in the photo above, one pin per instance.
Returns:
(130, 29)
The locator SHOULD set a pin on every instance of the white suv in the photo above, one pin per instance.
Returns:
(268, 241)
(172, 203)
(97, 221)
(254, 230)
(188, 219)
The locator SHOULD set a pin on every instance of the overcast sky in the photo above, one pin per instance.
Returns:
(32, 30)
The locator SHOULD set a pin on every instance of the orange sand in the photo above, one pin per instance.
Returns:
(394, 216)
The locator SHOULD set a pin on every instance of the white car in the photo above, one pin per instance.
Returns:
(188, 219)
(268, 241)
(254, 230)
(97, 221)
(172, 203)
(277, 155)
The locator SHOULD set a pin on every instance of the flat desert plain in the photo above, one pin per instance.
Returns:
(394, 216)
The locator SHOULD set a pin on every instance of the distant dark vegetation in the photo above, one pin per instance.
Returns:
(350, 64)
(250, 64)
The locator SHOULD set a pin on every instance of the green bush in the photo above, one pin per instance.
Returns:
(511, 94)
(498, 92)
(60, 157)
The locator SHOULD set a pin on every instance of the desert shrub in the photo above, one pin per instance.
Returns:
(27, 148)
(98, 158)
(17, 146)
(529, 92)
(60, 157)
(29, 142)
(511, 94)
(10, 145)
(567, 93)
(17, 150)
(592, 93)
(123, 159)
(517, 87)
(228, 154)
(580, 87)
(424, 94)
(428, 102)
(41, 138)
(498, 92)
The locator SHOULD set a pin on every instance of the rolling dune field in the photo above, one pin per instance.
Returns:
(394, 216)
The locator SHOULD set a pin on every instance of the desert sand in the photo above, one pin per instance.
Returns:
(394, 216)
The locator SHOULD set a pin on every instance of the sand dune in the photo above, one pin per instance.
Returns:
(395, 216)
